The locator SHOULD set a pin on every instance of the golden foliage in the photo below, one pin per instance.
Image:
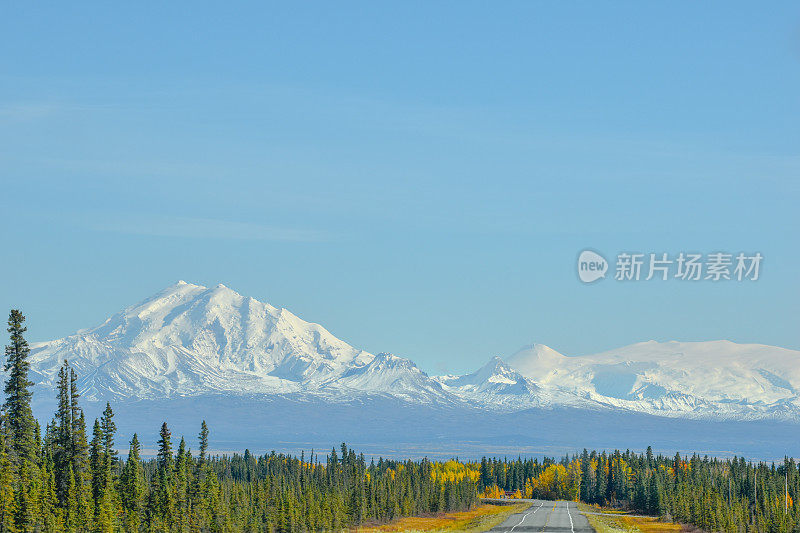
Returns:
(453, 471)
(557, 482)
(493, 491)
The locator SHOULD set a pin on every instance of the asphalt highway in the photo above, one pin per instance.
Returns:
(547, 516)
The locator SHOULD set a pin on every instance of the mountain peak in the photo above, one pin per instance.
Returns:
(189, 339)
(183, 283)
(495, 365)
(532, 359)
(494, 371)
(495, 384)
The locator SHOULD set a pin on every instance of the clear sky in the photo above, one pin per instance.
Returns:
(417, 177)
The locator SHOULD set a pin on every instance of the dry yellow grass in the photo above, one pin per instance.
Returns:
(649, 525)
(480, 518)
(614, 522)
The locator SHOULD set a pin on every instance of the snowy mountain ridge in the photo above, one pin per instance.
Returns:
(711, 379)
(190, 340)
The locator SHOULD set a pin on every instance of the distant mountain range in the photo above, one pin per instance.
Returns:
(193, 341)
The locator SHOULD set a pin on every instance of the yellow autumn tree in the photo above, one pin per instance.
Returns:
(493, 491)
(556, 482)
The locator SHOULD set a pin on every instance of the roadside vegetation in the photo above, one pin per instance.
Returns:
(615, 521)
(622, 524)
(478, 519)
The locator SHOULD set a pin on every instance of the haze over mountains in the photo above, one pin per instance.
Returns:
(190, 341)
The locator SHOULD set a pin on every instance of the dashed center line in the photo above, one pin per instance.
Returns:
(548, 517)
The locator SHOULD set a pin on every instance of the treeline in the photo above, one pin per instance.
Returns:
(716, 495)
(281, 493)
(62, 479)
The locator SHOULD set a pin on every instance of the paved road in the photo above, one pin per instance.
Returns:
(548, 516)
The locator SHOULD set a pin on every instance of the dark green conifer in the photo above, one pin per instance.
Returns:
(109, 429)
(132, 488)
(20, 424)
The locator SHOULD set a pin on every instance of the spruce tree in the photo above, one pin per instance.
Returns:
(164, 494)
(79, 444)
(97, 466)
(109, 428)
(165, 448)
(62, 429)
(132, 489)
(182, 485)
(203, 441)
(20, 424)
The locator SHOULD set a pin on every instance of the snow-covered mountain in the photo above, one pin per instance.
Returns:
(714, 379)
(494, 385)
(190, 340)
(395, 376)
(497, 385)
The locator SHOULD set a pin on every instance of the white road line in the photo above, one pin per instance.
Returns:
(524, 516)
(571, 527)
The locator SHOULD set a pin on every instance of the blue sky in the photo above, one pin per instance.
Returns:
(417, 177)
